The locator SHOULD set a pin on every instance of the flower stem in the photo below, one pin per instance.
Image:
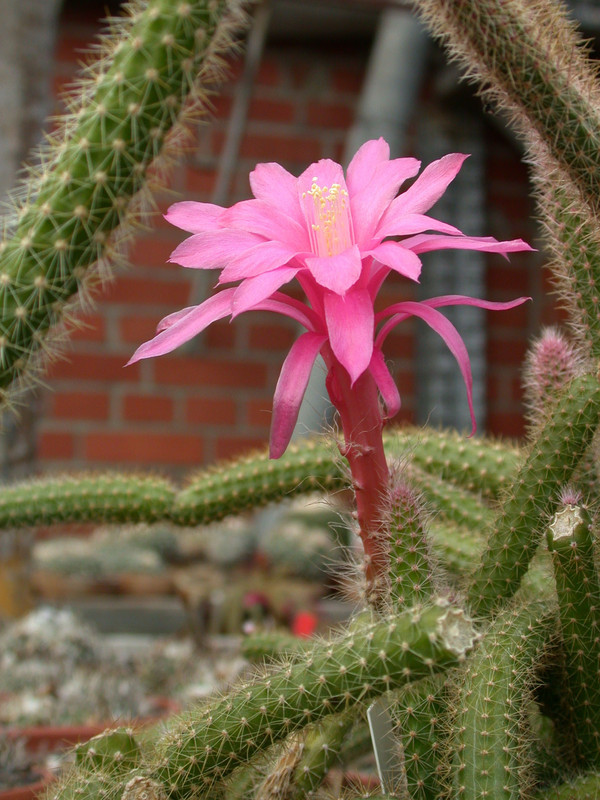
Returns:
(362, 424)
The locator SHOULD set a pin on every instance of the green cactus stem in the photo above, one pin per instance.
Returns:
(410, 573)
(321, 752)
(585, 787)
(421, 714)
(255, 480)
(270, 645)
(206, 745)
(451, 502)
(211, 494)
(533, 496)
(112, 497)
(480, 465)
(489, 742)
(156, 63)
(578, 589)
(114, 751)
(527, 59)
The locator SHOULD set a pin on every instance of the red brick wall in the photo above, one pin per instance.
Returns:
(213, 398)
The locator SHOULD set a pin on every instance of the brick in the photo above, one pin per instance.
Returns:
(330, 115)
(134, 290)
(233, 446)
(200, 181)
(268, 110)
(271, 147)
(347, 78)
(220, 335)
(507, 423)
(137, 329)
(55, 445)
(271, 337)
(506, 351)
(147, 408)
(80, 405)
(209, 410)
(259, 413)
(189, 371)
(144, 447)
(152, 251)
(93, 367)
(88, 328)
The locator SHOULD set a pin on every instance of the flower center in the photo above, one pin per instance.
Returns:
(329, 220)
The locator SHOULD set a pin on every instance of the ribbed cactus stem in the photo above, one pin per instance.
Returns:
(574, 242)
(480, 464)
(205, 745)
(489, 743)
(527, 58)
(422, 717)
(550, 464)
(322, 749)
(93, 169)
(578, 589)
(407, 541)
(585, 787)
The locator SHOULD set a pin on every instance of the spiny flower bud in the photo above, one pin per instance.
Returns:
(551, 363)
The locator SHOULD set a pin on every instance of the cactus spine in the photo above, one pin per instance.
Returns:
(207, 745)
(93, 170)
(550, 464)
(489, 738)
(578, 590)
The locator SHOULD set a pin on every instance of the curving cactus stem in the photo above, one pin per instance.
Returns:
(70, 215)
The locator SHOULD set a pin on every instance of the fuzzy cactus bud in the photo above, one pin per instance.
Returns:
(551, 364)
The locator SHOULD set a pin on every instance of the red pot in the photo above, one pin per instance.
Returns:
(31, 790)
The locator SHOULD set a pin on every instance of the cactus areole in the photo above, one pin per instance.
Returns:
(339, 235)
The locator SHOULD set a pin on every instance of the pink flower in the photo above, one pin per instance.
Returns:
(339, 237)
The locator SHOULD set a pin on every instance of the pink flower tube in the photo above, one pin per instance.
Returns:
(339, 236)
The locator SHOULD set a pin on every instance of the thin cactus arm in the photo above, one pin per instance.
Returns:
(91, 178)
(249, 482)
(570, 539)
(204, 746)
(533, 497)
(489, 740)
(527, 58)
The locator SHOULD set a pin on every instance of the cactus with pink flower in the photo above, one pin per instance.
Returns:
(481, 645)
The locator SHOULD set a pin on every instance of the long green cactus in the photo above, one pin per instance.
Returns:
(481, 730)
(155, 66)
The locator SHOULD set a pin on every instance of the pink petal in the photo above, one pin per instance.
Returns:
(385, 383)
(194, 217)
(324, 173)
(263, 257)
(407, 224)
(369, 205)
(181, 327)
(429, 186)
(254, 290)
(451, 337)
(263, 219)
(394, 255)
(423, 243)
(170, 319)
(275, 185)
(350, 324)
(439, 302)
(360, 169)
(212, 249)
(290, 389)
(339, 272)
(280, 303)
